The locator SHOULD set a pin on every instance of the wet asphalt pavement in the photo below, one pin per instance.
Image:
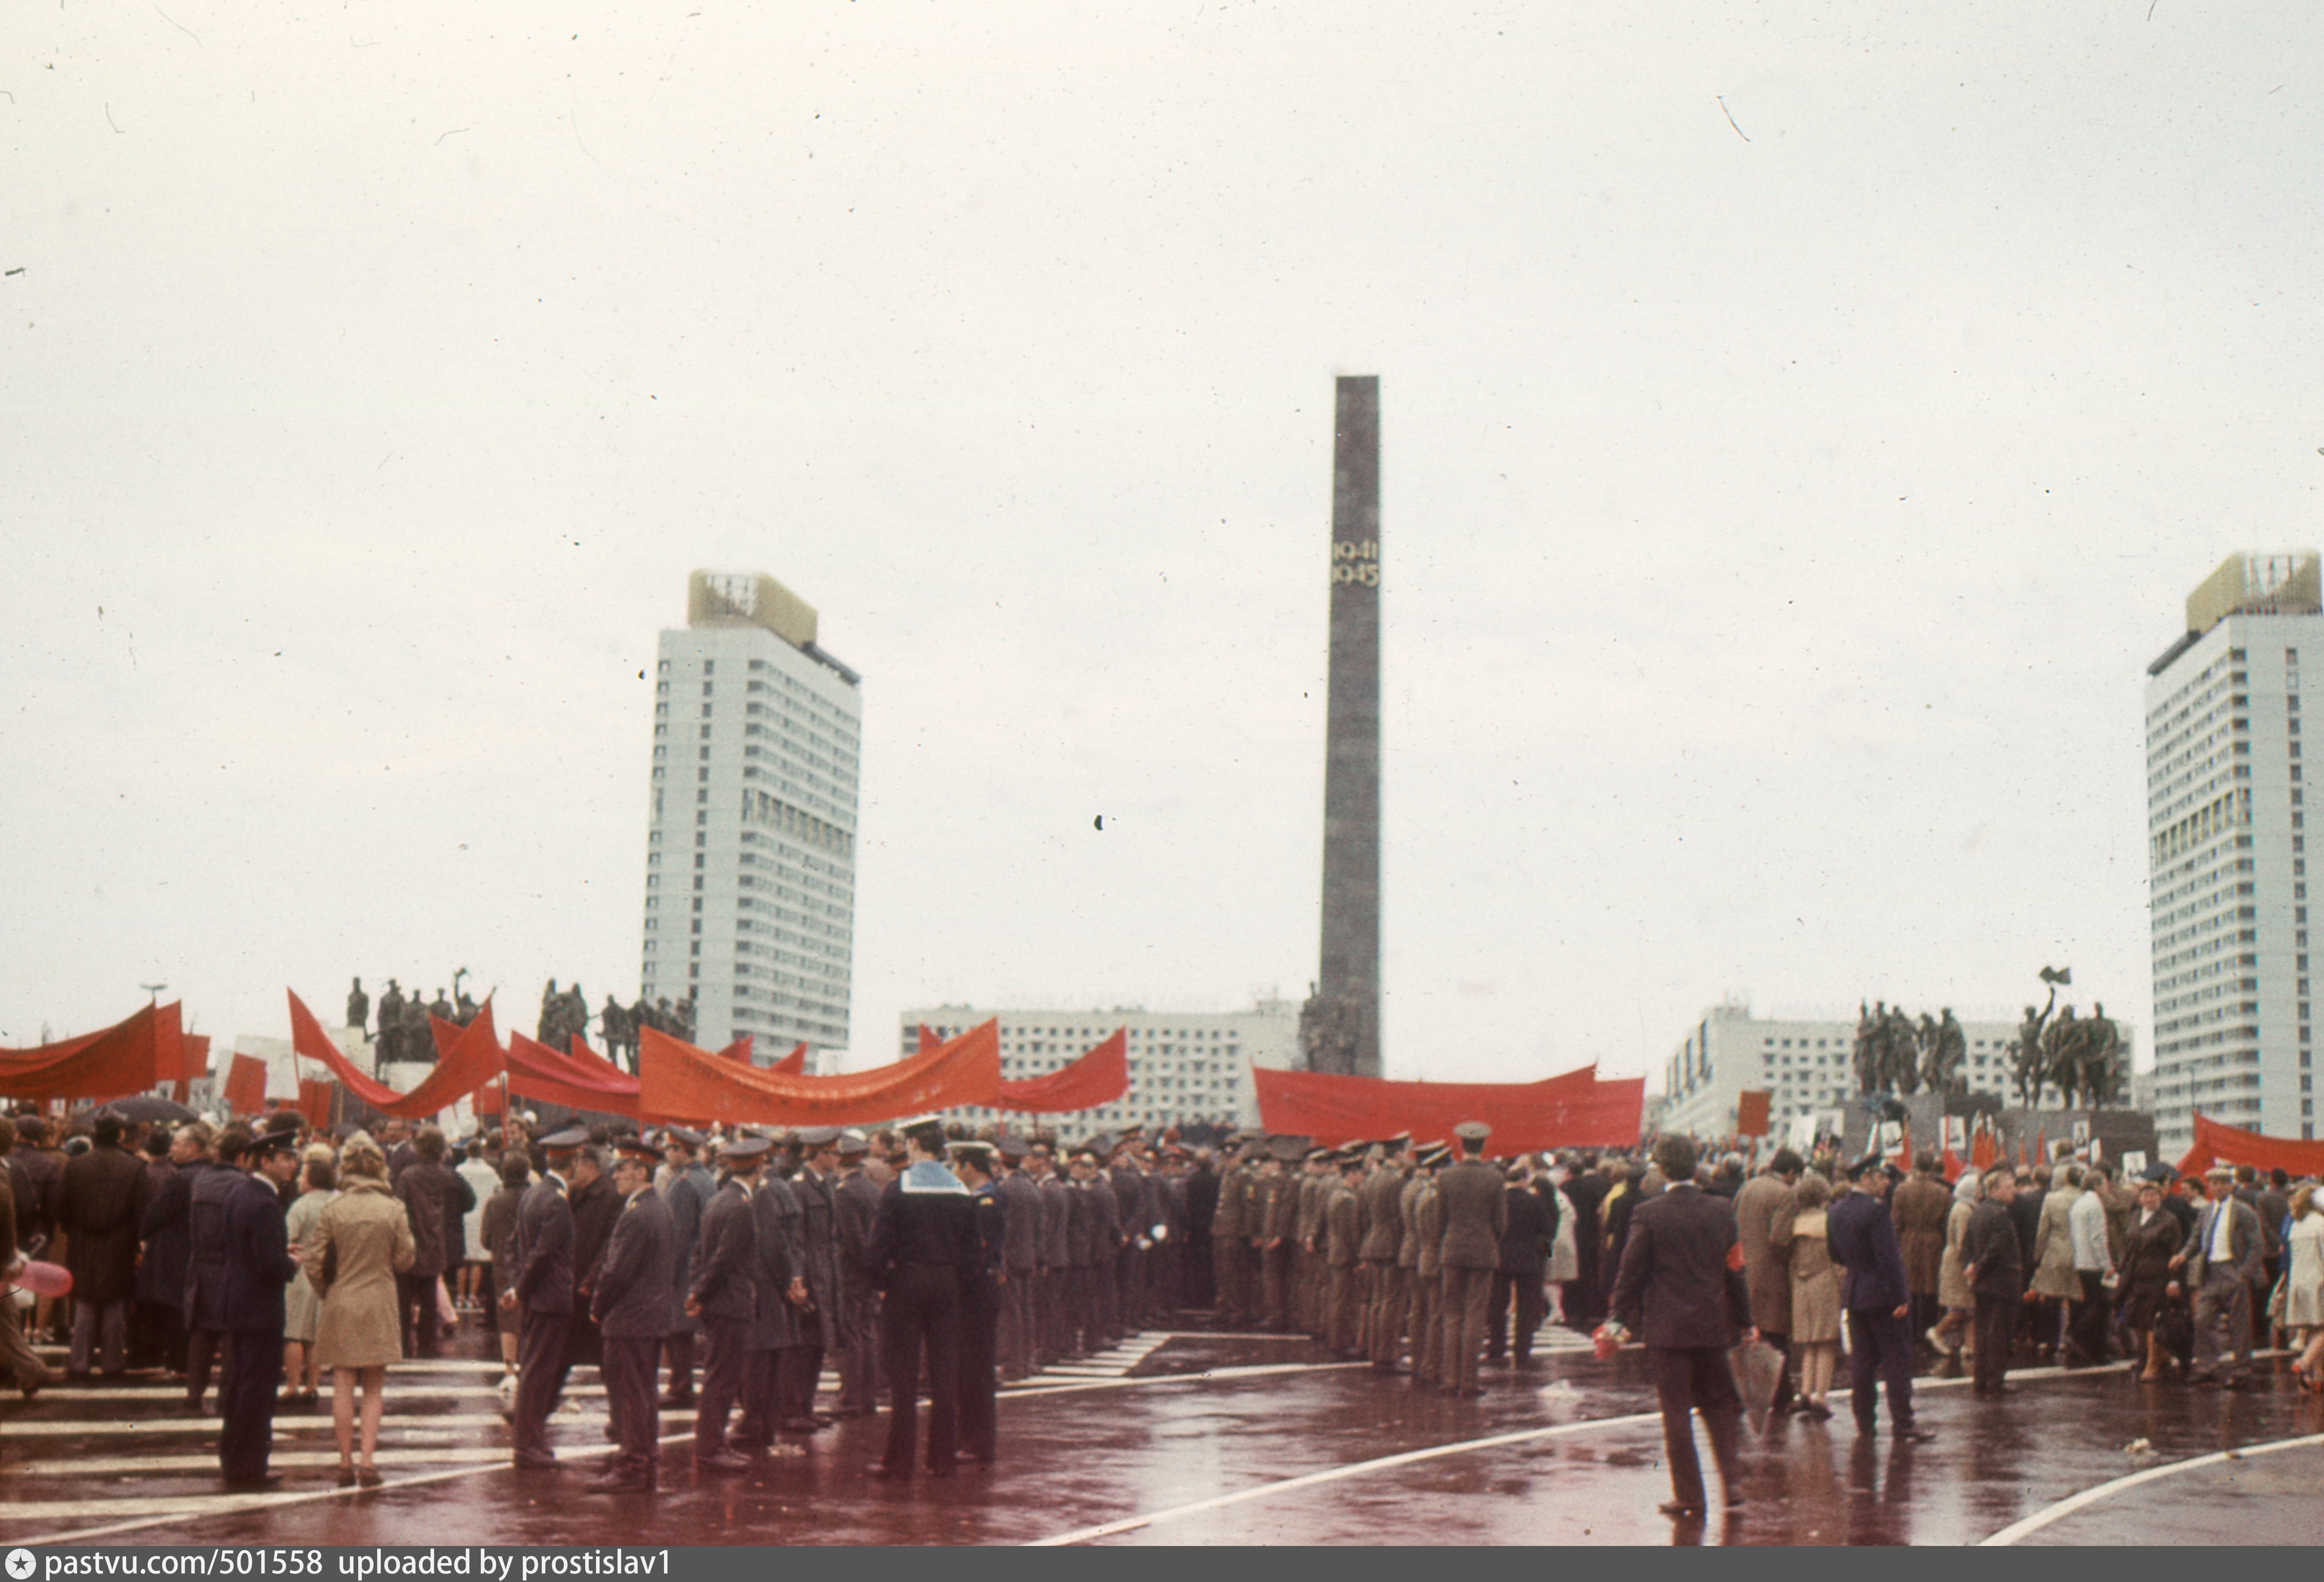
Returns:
(1194, 1439)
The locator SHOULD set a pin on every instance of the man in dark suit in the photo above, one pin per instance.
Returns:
(2218, 1261)
(100, 1201)
(779, 1281)
(926, 1232)
(722, 1295)
(1681, 1289)
(1878, 1298)
(980, 1282)
(1525, 1263)
(1476, 1208)
(541, 1255)
(631, 1305)
(1020, 1202)
(1996, 1279)
(258, 1265)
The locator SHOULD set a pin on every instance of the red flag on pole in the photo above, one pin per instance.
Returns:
(245, 1084)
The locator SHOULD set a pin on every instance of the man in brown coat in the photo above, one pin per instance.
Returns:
(1921, 1207)
(102, 1197)
(1476, 1213)
(1764, 1210)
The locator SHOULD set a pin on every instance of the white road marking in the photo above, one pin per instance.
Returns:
(128, 1465)
(404, 1388)
(2107, 1491)
(318, 1424)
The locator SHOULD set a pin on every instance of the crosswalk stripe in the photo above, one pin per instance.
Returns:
(59, 1429)
(128, 1465)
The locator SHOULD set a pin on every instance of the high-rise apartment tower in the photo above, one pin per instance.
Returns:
(751, 858)
(2227, 852)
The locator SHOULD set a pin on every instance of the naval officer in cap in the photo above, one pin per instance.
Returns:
(926, 1235)
(631, 1305)
(981, 1283)
(722, 1295)
(541, 1255)
(856, 1211)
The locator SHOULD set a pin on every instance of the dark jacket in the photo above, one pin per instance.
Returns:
(594, 1207)
(933, 1227)
(540, 1248)
(2243, 1241)
(685, 1197)
(782, 1258)
(1055, 1250)
(1681, 1283)
(1990, 1244)
(98, 1206)
(632, 1297)
(1476, 1213)
(428, 1193)
(205, 1248)
(38, 1175)
(168, 1237)
(259, 1263)
(725, 1259)
(1022, 1199)
(1525, 1244)
(818, 1235)
(1862, 1239)
(854, 1213)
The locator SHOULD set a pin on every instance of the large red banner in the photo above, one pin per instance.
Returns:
(2227, 1146)
(1524, 1115)
(469, 1057)
(537, 1072)
(1097, 1078)
(245, 1084)
(119, 1060)
(678, 1082)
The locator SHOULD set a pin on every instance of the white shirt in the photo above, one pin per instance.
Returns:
(2086, 1221)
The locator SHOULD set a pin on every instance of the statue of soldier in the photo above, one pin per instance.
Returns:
(610, 1032)
(464, 1007)
(440, 1007)
(2102, 1062)
(1313, 1015)
(544, 1027)
(358, 1006)
(1867, 1050)
(683, 1015)
(1946, 1051)
(391, 1020)
(2061, 1050)
(2027, 1065)
(419, 1042)
(1903, 1073)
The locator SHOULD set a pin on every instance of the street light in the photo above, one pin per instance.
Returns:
(153, 990)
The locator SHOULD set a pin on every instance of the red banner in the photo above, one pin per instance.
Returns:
(2227, 1145)
(1524, 1115)
(589, 1059)
(536, 1071)
(678, 1082)
(1751, 1111)
(791, 1065)
(1098, 1077)
(196, 1063)
(245, 1084)
(315, 1102)
(467, 1059)
(118, 1060)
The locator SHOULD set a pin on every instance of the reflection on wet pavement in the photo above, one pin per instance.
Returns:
(1236, 1440)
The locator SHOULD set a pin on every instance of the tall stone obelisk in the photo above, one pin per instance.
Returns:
(1345, 1016)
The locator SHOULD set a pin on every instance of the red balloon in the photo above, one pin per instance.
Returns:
(47, 1279)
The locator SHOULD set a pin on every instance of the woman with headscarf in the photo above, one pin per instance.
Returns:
(2152, 1237)
(1816, 1293)
(361, 1242)
(1953, 1293)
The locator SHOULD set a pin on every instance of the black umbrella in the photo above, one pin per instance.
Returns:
(148, 1106)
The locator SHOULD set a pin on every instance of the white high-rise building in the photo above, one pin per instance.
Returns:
(1183, 1065)
(2227, 850)
(750, 854)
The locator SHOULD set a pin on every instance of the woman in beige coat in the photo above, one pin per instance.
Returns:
(1949, 1334)
(2054, 1279)
(1814, 1293)
(361, 1242)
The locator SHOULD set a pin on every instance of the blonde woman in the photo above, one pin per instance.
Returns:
(361, 1242)
(2303, 1283)
(1815, 1295)
(302, 1374)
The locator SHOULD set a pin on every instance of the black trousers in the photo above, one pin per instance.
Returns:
(1532, 1305)
(1879, 1351)
(415, 1304)
(921, 1317)
(202, 1351)
(802, 1366)
(1996, 1322)
(980, 1321)
(2088, 1321)
(1688, 1378)
(762, 1405)
(627, 1368)
(679, 1350)
(725, 1355)
(540, 1377)
(859, 1344)
(251, 1366)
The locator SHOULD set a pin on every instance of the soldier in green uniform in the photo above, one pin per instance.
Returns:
(1427, 1217)
(1230, 1244)
(1383, 1196)
(1476, 1213)
(1343, 1232)
(1311, 1273)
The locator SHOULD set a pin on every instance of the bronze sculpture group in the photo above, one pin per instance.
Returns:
(2080, 1057)
(1895, 1055)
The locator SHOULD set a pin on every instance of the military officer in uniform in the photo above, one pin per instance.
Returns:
(258, 1265)
(1020, 1199)
(1383, 1195)
(1312, 1274)
(685, 1193)
(779, 1279)
(925, 1233)
(1230, 1244)
(981, 1280)
(1428, 1269)
(541, 1256)
(1342, 1255)
(815, 1186)
(855, 1209)
(1476, 1217)
(722, 1295)
(631, 1304)
(1052, 1299)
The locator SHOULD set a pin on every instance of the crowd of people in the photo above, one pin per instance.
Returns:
(718, 1272)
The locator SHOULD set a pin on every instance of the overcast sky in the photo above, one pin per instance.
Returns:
(1801, 426)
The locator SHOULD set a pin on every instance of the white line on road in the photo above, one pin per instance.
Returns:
(2107, 1491)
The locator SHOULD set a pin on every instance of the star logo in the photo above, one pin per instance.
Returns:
(21, 1564)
